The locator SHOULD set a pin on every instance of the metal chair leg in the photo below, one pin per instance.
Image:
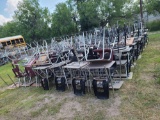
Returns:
(36, 81)
(24, 81)
(19, 81)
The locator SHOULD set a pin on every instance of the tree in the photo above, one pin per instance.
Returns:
(113, 10)
(9, 29)
(131, 10)
(62, 21)
(36, 23)
(46, 24)
(94, 13)
(88, 15)
(32, 19)
(152, 6)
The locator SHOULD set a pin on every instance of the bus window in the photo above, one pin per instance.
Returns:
(21, 40)
(13, 42)
(17, 41)
(4, 44)
(8, 42)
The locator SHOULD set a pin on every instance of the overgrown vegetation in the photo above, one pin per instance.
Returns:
(4, 70)
(154, 25)
(138, 99)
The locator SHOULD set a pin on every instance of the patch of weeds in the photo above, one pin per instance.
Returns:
(55, 108)
(38, 112)
(6, 69)
(79, 117)
(157, 74)
(149, 100)
(4, 111)
(95, 116)
(30, 103)
(99, 116)
(52, 110)
(158, 80)
(19, 99)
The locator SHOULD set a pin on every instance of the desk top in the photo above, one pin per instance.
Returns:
(122, 62)
(50, 66)
(54, 65)
(134, 43)
(76, 65)
(138, 39)
(100, 65)
(40, 67)
(129, 41)
(127, 49)
(141, 36)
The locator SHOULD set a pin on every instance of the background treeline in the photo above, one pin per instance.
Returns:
(37, 23)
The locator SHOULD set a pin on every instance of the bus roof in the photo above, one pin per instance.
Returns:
(10, 38)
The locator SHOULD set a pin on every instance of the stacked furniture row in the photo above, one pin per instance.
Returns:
(97, 60)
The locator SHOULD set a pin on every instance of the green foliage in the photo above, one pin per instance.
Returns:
(88, 15)
(9, 29)
(37, 23)
(95, 13)
(131, 10)
(154, 25)
(152, 6)
(6, 69)
(157, 71)
(62, 22)
(33, 20)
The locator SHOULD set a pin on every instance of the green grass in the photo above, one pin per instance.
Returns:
(142, 96)
(4, 70)
(138, 99)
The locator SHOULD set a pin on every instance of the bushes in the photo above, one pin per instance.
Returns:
(154, 25)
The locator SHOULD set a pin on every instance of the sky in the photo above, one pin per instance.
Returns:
(7, 8)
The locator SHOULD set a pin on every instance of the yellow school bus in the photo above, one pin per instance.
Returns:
(13, 41)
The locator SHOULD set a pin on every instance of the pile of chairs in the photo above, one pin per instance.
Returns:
(3, 58)
(71, 60)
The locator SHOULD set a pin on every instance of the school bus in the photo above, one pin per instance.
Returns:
(13, 41)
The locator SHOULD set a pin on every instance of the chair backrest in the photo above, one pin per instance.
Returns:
(30, 72)
(17, 72)
(14, 63)
(32, 61)
(108, 54)
(42, 59)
